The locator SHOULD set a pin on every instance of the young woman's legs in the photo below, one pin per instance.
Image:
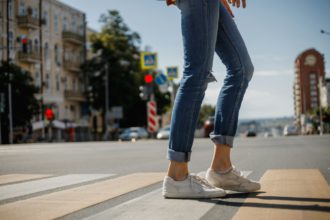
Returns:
(231, 49)
(199, 21)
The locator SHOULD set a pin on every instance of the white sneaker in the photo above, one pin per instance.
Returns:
(192, 187)
(232, 180)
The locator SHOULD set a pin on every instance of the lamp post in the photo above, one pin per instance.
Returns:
(106, 115)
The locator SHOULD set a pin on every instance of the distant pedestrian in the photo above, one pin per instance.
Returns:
(208, 27)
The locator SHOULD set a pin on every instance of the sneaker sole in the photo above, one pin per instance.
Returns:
(238, 189)
(189, 196)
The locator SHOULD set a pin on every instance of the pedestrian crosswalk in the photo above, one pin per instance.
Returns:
(285, 194)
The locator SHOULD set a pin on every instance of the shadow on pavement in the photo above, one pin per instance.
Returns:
(315, 207)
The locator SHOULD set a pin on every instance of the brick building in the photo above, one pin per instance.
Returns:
(309, 72)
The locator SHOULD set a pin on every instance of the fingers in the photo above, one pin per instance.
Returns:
(237, 3)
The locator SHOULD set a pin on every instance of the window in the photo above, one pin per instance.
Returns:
(65, 24)
(21, 10)
(312, 76)
(37, 79)
(11, 40)
(74, 85)
(35, 13)
(56, 53)
(46, 51)
(73, 25)
(10, 8)
(313, 93)
(45, 18)
(47, 83)
(56, 23)
(36, 46)
(57, 82)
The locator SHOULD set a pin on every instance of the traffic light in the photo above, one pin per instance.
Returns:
(143, 92)
(49, 114)
(24, 45)
(148, 78)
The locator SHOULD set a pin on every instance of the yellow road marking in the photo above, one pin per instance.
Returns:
(289, 194)
(13, 178)
(57, 204)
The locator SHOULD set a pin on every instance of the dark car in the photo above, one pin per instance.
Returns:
(251, 134)
(208, 126)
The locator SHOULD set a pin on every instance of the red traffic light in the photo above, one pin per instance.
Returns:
(148, 78)
(24, 41)
(49, 114)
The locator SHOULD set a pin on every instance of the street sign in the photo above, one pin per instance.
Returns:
(160, 79)
(148, 60)
(117, 112)
(172, 72)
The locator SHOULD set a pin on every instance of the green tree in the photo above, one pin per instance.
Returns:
(24, 103)
(118, 48)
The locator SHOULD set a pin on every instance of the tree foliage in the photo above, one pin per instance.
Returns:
(118, 47)
(24, 103)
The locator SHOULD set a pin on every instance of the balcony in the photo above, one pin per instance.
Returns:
(71, 66)
(30, 57)
(72, 37)
(27, 21)
(74, 95)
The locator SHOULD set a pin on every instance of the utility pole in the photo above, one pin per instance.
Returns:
(320, 105)
(41, 69)
(10, 115)
(8, 40)
(106, 115)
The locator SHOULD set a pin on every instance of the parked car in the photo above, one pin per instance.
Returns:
(208, 126)
(133, 133)
(250, 134)
(164, 133)
(290, 130)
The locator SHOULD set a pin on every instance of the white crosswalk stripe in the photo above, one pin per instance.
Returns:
(154, 206)
(26, 188)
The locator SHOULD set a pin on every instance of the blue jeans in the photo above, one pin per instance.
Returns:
(207, 27)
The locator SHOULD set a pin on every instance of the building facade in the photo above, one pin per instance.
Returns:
(325, 93)
(309, 72)
(48, 39)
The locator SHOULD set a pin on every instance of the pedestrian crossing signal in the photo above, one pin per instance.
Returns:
(148, 60)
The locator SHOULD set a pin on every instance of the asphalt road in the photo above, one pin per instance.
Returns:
(116, 159)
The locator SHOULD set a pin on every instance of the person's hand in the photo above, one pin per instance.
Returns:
(225, 3)
(237, 3)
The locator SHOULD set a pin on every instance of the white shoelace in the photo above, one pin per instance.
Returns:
(201, 181)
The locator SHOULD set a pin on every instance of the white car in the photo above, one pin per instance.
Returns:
(290, 130)
(164, 133)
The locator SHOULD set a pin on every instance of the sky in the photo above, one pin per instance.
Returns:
(275, 33)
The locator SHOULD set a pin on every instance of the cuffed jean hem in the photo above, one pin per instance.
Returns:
(178, 156)
(222, 139)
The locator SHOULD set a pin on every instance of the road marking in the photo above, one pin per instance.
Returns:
(289, 194)
(154, 206)
(12, 178)
(57, 204)
(26, 188)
